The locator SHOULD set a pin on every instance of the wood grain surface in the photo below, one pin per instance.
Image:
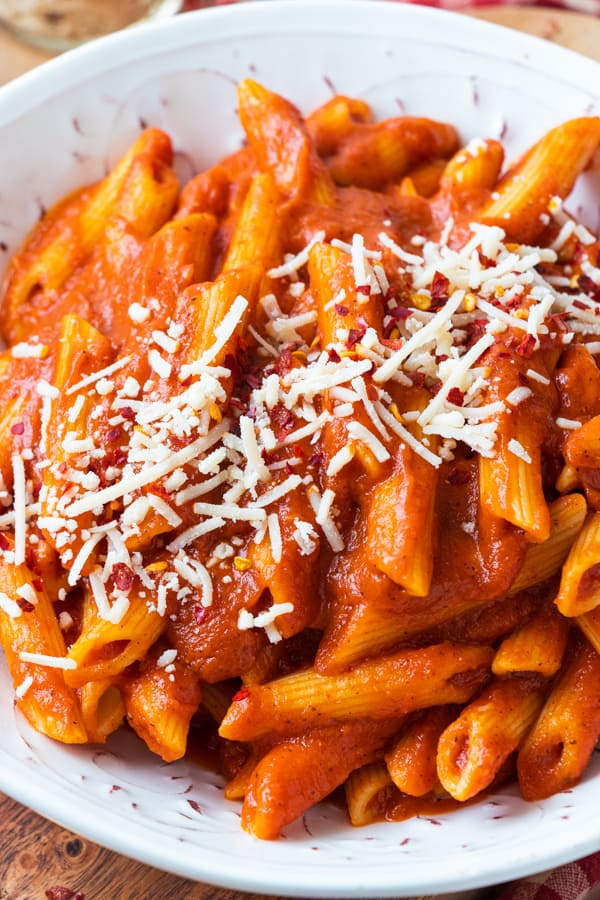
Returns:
(36, 855)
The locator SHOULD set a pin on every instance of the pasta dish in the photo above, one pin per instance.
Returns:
(304, 456)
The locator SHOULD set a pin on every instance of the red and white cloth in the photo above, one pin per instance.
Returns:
(591, 7)
(575, 881)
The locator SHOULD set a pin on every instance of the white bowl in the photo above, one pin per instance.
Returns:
(61, 126)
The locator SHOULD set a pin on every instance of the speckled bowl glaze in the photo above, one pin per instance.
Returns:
(61, 126)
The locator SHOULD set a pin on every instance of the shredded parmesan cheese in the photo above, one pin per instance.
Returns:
(8, 606)
(518, 450)
(51, 662)
(20, 501)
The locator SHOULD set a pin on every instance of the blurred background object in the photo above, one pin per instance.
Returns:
(60, 24)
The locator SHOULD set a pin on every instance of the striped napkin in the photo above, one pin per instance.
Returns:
(575, 881)
(592, 7)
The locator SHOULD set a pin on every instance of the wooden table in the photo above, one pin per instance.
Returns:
(35, 854)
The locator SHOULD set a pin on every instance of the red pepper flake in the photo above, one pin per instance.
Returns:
(363, 289)
(354, 336)
(456, 396)
(127, 412)
(527, 346)
(475, 329)
(400, 313)
(579, 304)
(418, 379)
(341, 310)
(523, 379)
(122, 576)
(458, 476)
(113, 435)
(434, 388)
(63, 893)
(37, 584)
(486, 261)
(17, 428)
(120, 456)
(200, 614)
(240, 695)
(439, 290)
(515, 303)
(589, 286)
(441, 358)
(316, 460)
(4, 542)
(333, 355)
(283, 418)
(159, 490)
(392, 343)
(285, 361)
(25, 605)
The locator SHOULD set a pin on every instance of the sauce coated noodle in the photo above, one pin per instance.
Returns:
(308, 450)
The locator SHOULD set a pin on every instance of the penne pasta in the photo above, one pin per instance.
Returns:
(281, 144)
(102, 709)
(105, 648)
(299, 456)
(578, 592)
(527, 188)
(372, 155)
(542, 561)
(473, 748)
(537, 647)
(411, 758)
(159, 707)
(375, 689)
(269, 805)
(589, 624)
(563, 738)
(364, 789)
(140, 191)
(36, 655)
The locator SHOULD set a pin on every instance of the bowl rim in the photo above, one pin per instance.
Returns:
(146, 38)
